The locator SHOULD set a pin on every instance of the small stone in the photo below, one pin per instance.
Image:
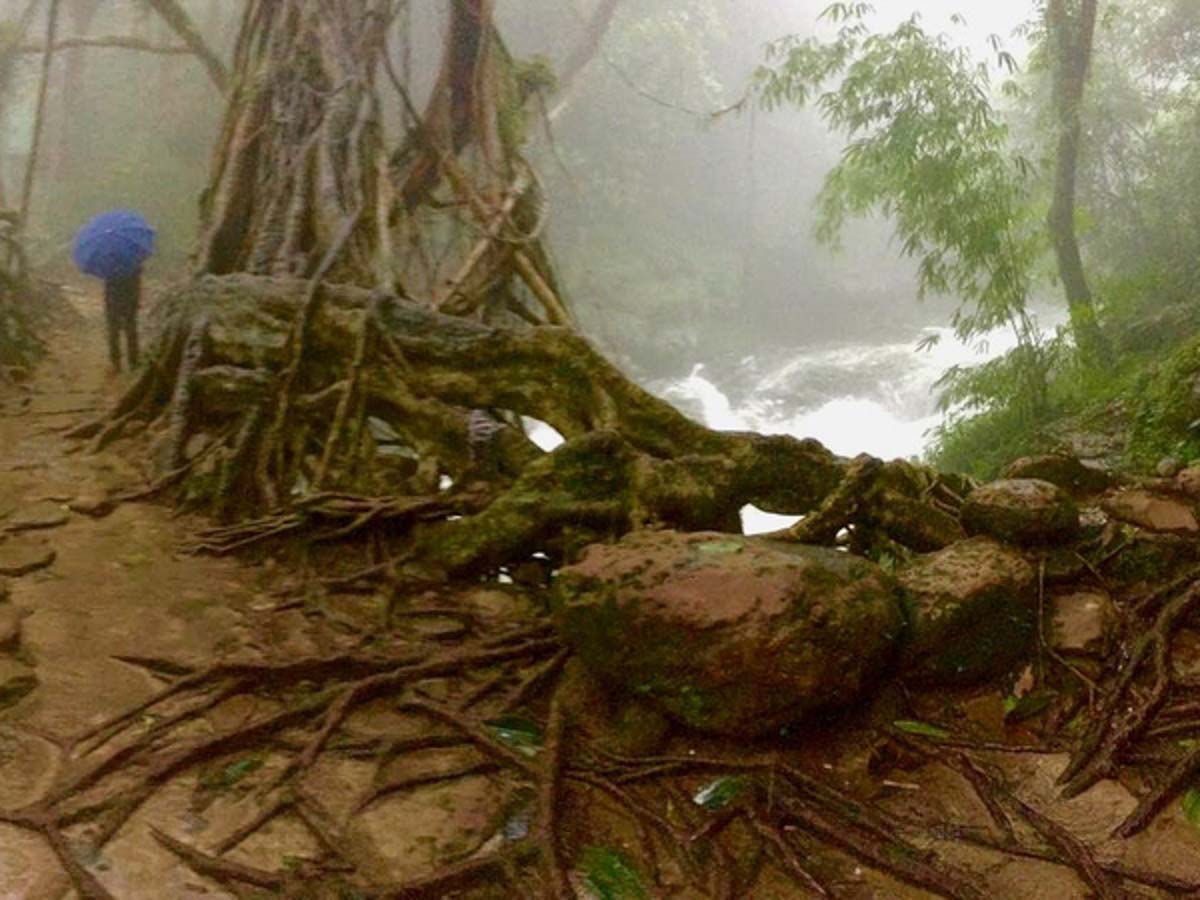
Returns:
(1188, 482)
(23, 554)
(972, 612)
(10, 626)
(1151, 512)
(44, 514)
(1083, 621)
(1168, 467)
(95, 505)
(1022, 511)
(16, 681)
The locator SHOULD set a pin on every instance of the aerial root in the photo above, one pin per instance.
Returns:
(1059, 846)
(1121, 722)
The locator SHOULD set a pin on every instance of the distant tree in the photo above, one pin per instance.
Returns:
(1071, 28)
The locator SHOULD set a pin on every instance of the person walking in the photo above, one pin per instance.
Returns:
(113, 246)
(122, 297)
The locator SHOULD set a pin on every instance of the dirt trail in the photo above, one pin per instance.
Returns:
(115, 589)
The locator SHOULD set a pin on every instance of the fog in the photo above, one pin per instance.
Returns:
(684, 239)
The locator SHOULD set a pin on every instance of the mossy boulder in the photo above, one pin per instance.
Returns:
(1021, 511)
(726, 634)
(972, 609)
(729, 634)
(1061, 470)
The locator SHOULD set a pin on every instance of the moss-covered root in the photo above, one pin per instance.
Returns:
(600, 486)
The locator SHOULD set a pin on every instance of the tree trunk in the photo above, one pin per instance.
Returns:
(1071, 25)
(300, 149)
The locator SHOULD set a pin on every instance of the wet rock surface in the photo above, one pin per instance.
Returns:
(36, 516)
(1154, 513)
(1084, 622)
(728, 634)
(1022, 511)
(24, 554)
(972, 610)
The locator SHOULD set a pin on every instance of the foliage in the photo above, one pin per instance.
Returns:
(1139, 224)
(1164, 418)
(608, 874)
(928, 149)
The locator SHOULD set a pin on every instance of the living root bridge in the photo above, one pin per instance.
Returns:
(218, 380)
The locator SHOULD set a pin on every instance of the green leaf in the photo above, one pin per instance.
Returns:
(1019, 709)
(924, 729)
(719, 793)
(522, 735)
(232, 773)
(608, 874)
(1191, 806)
(720, 548)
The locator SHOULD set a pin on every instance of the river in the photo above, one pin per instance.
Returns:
(878, 398)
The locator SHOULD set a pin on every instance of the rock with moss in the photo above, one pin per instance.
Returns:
(622, 723)
(1061, 470)
(972, 609)
(729, 634)
(1021, 511)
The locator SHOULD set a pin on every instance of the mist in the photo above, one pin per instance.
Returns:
(682, 217)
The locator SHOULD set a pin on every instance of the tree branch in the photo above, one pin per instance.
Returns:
(112, 41)
(181, 23)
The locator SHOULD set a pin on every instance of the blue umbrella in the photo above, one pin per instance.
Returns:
(113, 244)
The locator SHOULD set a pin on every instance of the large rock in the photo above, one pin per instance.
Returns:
(1022, 511)
(1151, 512)
(972, 609)
(1061, 470)
(729, 634)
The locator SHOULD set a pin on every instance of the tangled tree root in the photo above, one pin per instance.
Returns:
(114, 768)
(304, 711)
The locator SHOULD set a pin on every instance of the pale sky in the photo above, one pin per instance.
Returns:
(984, 17)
